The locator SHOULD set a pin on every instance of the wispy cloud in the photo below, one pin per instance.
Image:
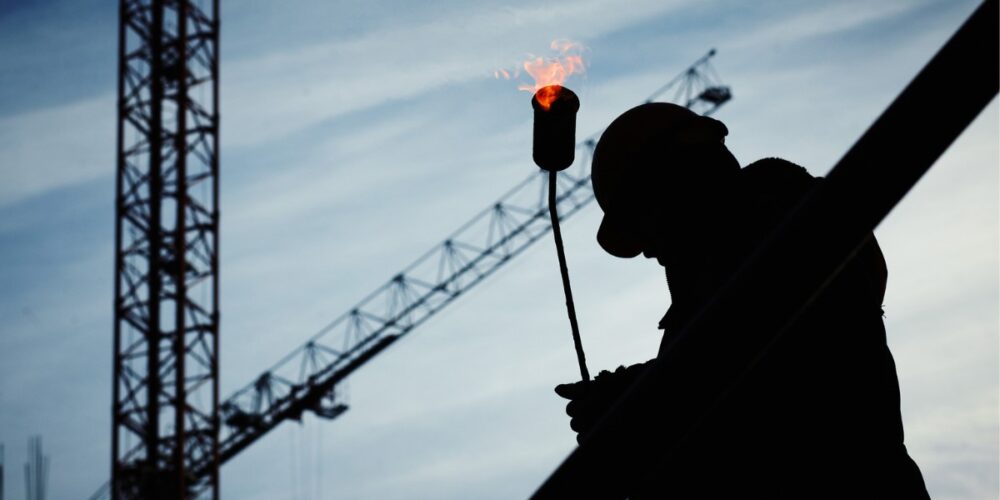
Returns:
(56, 147)
(294, 90)
(809, 22)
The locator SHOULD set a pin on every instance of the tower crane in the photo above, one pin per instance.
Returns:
(170, 431)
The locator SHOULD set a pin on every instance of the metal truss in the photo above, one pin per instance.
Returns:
(166, 319)
(306, 378)
(697, 87)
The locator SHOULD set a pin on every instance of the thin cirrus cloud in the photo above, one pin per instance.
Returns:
(46, 149)
(293, 90)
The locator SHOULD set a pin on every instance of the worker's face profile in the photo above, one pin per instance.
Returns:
(671, 200)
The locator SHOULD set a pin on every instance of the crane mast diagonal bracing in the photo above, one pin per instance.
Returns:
(165, 424)
(308, 378)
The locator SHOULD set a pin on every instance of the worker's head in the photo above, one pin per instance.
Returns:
(661, 172)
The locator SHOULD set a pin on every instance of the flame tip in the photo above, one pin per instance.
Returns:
(550, 72)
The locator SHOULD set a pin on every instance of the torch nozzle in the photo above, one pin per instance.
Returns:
(554, 138)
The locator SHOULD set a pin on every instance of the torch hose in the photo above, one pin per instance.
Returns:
(570, 309)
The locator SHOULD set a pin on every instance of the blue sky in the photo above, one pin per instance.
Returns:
(356, 135)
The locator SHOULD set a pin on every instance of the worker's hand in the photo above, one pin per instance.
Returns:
(589, 401)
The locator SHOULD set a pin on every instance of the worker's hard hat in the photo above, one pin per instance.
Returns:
(652, 138)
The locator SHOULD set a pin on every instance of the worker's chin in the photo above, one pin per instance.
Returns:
(651, 251)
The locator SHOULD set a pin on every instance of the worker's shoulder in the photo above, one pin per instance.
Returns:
(772, 187)
(776, 172)
(773, 165)
(775, 177)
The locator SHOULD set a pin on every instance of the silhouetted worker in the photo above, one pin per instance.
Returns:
(819, 416)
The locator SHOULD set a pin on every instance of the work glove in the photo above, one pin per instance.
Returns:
(589, 401)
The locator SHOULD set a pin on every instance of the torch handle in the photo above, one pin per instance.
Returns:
(570, 309)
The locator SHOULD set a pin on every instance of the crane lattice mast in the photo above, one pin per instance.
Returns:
(166, 322)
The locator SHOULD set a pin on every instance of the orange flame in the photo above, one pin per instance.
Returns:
(550, 72)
